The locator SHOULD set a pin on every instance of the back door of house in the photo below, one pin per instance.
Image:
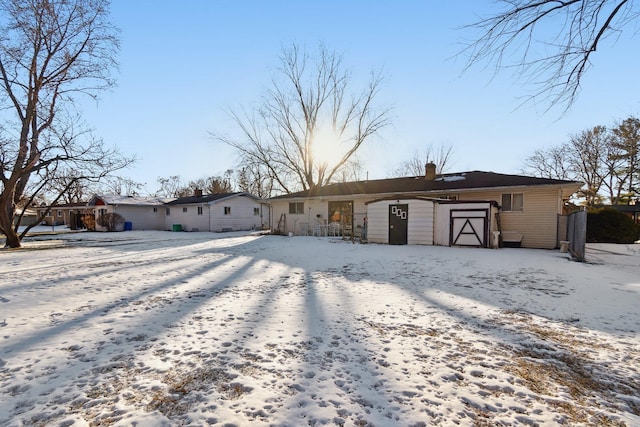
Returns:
(398, 224)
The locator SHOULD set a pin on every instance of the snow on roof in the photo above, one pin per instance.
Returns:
(451, 178)
(131, 200)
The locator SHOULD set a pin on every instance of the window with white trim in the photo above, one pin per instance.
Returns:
(227, 210)
(296, 208)
(256, 211)
(184, 210)
(513, 202)
(199, 210)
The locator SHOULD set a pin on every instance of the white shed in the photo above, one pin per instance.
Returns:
(465, 223)
(401, 221)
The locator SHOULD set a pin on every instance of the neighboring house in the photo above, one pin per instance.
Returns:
(217, 212)
(632, 210)
(529, 208)
(29, 216)
(139, 213)
(69, 214)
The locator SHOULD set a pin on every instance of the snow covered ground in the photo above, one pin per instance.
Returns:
(161, 328)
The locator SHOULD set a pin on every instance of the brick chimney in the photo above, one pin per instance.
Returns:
(430, 171)
(197, 192)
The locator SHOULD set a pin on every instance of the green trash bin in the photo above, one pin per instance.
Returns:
(177, 227)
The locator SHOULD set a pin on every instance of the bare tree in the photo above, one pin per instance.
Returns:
(254, 178)
(415, 166)
(51, 51)
(67, 184)
(588, 158)
(171, 187)
(553, 41)
(121, 186)
(626, 140)
(605, 159)
(552, 163)
(213, 184)
(310, 124)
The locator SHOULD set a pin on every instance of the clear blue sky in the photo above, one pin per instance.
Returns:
(184, 64)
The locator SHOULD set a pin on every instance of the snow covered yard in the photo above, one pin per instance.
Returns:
(160, 328)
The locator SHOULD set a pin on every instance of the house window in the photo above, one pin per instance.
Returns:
(227, 210)
(256, 211)
(296, 208)
(59, 212)
(168, 211)
(199, 210)
(155, 209)
(512, 202)
(184, 210)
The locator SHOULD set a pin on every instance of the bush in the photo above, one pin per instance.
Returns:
(607, 225)
(111, 221)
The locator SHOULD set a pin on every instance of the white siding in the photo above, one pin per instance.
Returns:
(242, 215)
(419, 227)
(378, 222)
(189, 220)
(141, 217)
(443, 219)
(296, 223)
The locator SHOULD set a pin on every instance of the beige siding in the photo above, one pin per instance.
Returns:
(537, 221)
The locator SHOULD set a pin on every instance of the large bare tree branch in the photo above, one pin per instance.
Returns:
(549, 43)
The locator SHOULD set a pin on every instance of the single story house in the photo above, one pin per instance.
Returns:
(217, 212)
(71, 215)
(140, 213)
(29, 216)
(213, 212)
(632, 210)
(458, 206)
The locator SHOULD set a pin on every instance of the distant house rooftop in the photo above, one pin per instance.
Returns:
(128, 200)
(206, 198)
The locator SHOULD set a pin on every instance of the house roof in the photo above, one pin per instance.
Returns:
(207, 198)
(129, 200)
(69, 205)
(418, 184)
(626, 208)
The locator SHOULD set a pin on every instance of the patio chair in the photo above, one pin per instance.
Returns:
(334, 229)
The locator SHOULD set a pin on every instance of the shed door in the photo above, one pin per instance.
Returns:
(398, 220)
(469, 227)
